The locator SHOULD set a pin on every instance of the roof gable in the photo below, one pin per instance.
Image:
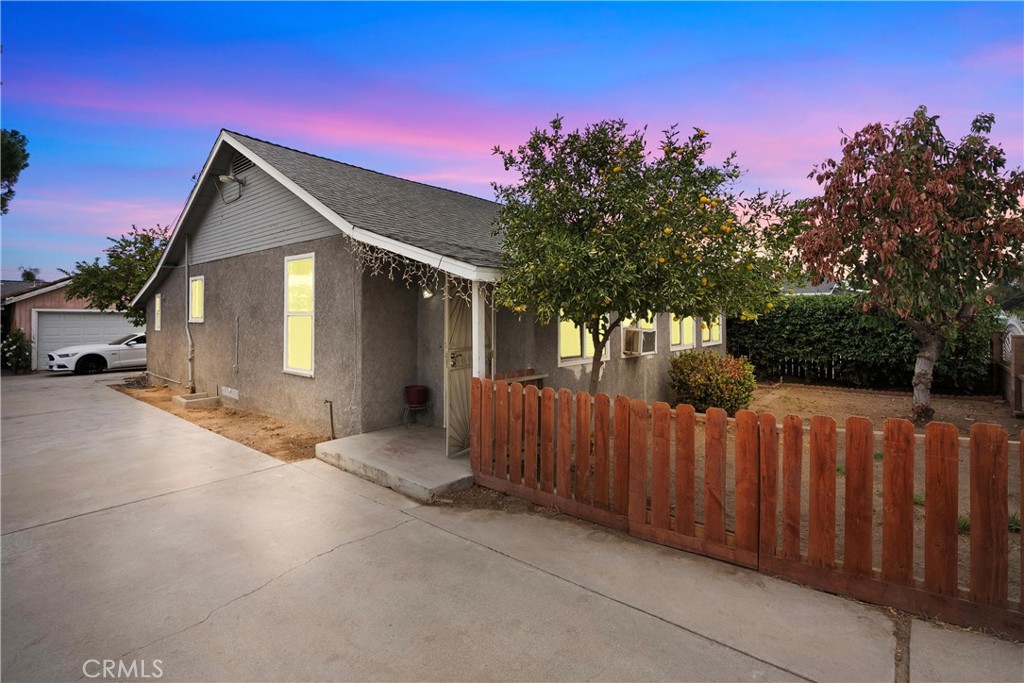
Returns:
(445, 229)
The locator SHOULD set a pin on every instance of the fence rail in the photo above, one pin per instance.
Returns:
(768, 496)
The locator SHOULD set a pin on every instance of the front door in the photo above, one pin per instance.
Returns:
(458, 357)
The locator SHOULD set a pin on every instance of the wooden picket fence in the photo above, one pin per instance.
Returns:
(737, 494)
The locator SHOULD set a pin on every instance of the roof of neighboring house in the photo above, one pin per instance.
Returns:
(445, 229)
(9, 288)
(823, 288)
(442, 221)
(42, 288)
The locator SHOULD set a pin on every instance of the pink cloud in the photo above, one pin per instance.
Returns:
(1004, 57)
(85, 215)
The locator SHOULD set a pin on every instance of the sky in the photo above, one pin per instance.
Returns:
(121, 102)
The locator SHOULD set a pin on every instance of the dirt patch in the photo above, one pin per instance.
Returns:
(276, 438)
(480, 498)
(809, 400)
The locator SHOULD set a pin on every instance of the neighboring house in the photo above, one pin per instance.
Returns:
(12, 288)
(267, 284)
(52, 322)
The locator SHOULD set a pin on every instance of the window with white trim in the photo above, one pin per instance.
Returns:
(157, 309)
(196, 296)
(711, 334)
(640, 336)
(299, 307)
(575, 344)
(683, 333)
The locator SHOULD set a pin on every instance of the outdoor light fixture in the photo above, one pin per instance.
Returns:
(226, 180)
(427, 293)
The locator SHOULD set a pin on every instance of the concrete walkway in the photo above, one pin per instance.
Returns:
(135, 537)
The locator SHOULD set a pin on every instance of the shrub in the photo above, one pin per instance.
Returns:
(828, 338)
(16, 350)
(706, 380)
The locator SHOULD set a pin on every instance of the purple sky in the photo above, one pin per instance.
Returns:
(121, 102)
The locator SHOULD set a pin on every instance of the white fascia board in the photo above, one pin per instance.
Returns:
(37, 291)
(175, 234)
(445, 263)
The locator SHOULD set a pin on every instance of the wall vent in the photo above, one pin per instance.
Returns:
(240, 164)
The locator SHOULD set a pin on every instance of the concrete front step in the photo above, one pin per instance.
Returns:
(408, 459)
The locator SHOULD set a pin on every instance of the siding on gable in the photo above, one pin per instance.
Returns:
(266, 216)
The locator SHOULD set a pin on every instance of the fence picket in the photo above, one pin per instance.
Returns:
(581, 491)
(746, 480)
(639, 428)
(501, 428)
(515, 433)
(898, 502)
(601, 460)
(530, 405)
(487, 428)
(563, 457)
(942, 472)
(661, 482)
(858, 541)
(714, 475)
(547, 440)
(989, 514)
(792, 472)
(821, 524)
(768, 437)
(620, 485)
(685, 474)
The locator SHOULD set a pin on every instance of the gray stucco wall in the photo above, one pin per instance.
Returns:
(248, 291)
(165, 349)
(523, 343)
(430, 362)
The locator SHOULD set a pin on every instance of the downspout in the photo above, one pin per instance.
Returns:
(190, 385)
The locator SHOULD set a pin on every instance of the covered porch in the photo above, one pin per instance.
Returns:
(407, 458)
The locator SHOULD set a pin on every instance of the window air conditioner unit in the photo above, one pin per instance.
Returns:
(631, 341)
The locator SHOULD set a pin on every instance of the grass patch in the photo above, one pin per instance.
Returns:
(1015, 523)
(878, 456)
(841, 470)
(963, 524)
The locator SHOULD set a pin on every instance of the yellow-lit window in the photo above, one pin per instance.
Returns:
(298, 314)
(711, 334)
(157, 308)
(196, 292)
(683, 332)
(574, 342)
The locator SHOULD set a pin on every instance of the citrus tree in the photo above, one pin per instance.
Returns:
(131, 259)
(597, 229)
(921, 224)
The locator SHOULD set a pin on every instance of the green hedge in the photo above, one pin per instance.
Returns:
(827, 338)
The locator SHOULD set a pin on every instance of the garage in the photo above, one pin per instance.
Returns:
(54, 329)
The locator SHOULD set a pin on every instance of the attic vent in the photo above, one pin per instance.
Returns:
(240, 164)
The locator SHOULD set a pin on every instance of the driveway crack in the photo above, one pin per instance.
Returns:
(262, 586)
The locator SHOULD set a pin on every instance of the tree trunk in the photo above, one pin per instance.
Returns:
(595, 369)
(931, 347)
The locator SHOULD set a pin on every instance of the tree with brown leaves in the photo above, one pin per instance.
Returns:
(921, 224)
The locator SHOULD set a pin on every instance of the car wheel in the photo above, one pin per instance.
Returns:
(90, 365)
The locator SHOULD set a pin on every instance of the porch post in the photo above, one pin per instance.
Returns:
(478, 312)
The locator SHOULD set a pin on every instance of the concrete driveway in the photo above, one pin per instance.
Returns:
(137, 545)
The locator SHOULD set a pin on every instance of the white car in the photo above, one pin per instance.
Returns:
(124, 352)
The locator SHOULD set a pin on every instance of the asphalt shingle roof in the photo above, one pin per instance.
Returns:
(442, 221)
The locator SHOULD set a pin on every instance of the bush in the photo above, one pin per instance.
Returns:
(706, 380)
(16, 351)
(828, 338)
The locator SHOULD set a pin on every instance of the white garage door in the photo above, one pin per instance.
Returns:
(55, 329)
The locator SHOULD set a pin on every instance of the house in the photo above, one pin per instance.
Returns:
(292, 281)
(51, 321)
